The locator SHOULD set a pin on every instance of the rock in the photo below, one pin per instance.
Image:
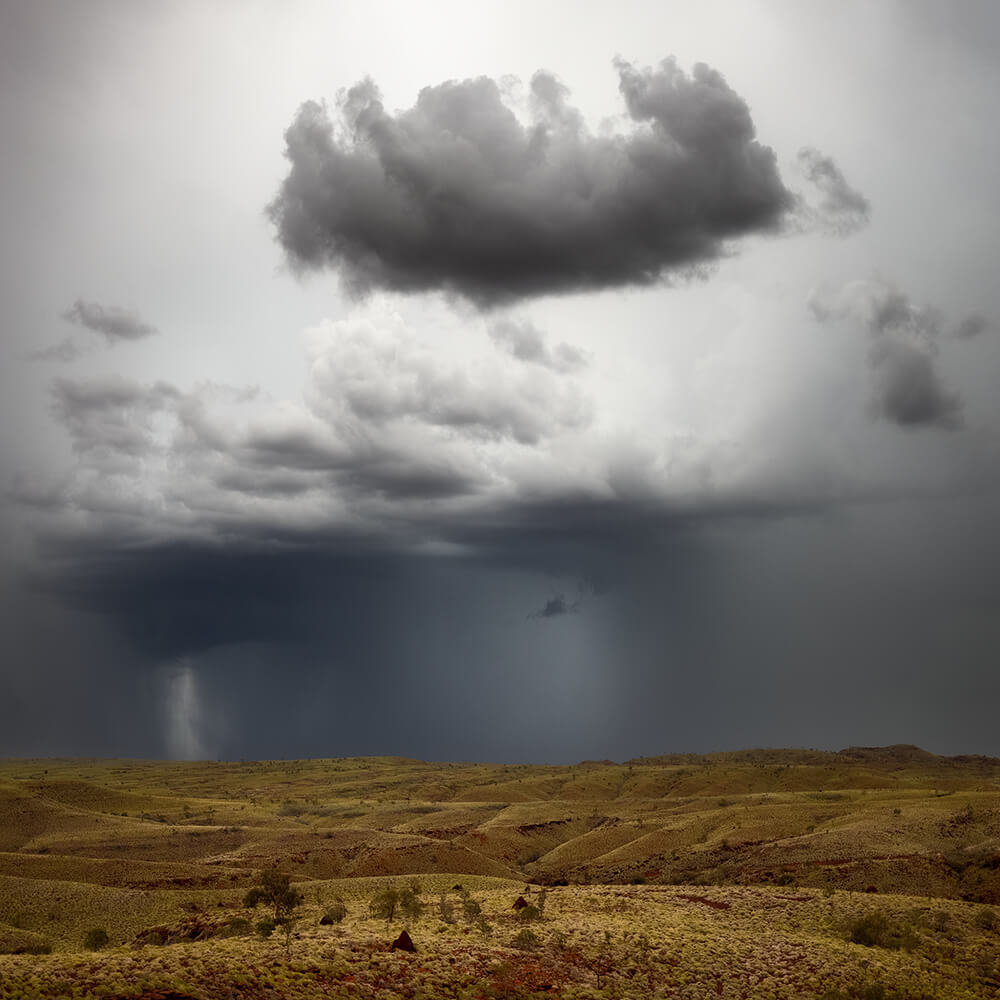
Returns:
(403, 943)
(520, 903)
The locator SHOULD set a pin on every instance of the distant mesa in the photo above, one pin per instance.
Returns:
(901, 754)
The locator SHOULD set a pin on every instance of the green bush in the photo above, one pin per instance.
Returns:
(95, 939)
(986, 919)
(335, 912)
(237, 927)
(876, 930)
(410, 903)
(264, 928)
(525, 940)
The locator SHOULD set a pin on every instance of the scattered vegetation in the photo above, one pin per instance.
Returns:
(698, 877)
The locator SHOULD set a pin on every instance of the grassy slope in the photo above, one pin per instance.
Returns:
(783, 842)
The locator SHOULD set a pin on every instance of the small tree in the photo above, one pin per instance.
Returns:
(446, 909)
(383, 904)
(274, 890)
(471, 909)
(410, 903)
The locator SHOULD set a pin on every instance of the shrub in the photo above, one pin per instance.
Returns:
(875, 930)
(18, 942)
(37, 948)
(525, 940)
(335, 912)
(95, 939)
(264, 928)
(238, 927)
(986, 919)
(528, 913)
(410, 903)
(471, 909)
(446, 909)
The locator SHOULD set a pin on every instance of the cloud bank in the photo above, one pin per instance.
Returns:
(457, 194)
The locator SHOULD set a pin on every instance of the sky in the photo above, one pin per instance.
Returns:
(498, 380)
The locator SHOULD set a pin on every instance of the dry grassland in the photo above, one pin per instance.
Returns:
(869, 873)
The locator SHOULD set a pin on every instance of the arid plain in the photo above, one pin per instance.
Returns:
(873, 872)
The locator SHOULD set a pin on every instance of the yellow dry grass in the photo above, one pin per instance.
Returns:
(757, 864)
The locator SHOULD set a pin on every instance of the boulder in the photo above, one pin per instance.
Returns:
(403, 943)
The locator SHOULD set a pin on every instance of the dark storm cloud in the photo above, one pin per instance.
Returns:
(112, 323)
(843, 210)
(907, 388)
(456, 194)
(524, 341)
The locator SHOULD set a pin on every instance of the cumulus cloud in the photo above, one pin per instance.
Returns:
(843, 209)
(907, 388)
(386, 436)
(110, 415)
(384, 376)
(524, 341)
(457, 194)
(112, 323)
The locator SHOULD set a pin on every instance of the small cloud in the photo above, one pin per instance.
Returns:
(972, 326)
(111, 322)
(556, 606)
(843, 210)
(522, 340)
(65, 351)
(907, 388)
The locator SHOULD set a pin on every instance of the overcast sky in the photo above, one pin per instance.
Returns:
(513, 381)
